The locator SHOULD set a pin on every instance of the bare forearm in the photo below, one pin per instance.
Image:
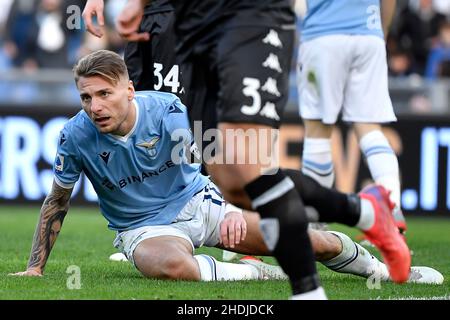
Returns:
(387, 14)
(52, 215)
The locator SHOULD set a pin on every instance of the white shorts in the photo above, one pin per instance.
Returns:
(344, 73)
(198, 223)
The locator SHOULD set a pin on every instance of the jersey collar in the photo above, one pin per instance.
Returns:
(125, 137)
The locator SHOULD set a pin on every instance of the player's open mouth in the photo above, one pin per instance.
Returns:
(101, 120)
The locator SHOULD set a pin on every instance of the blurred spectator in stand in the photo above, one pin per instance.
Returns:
(416, 29)
(17, 33)
(437, 64)
(444, 69)
(420, 103)
(5, 61)
(400, 64)
(49, 35)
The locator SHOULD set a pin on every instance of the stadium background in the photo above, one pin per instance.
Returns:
(37, 95)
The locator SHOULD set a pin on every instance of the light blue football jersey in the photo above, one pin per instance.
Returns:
(138, 180)
(326, 17)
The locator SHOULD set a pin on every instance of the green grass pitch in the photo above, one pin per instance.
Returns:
(86, 242)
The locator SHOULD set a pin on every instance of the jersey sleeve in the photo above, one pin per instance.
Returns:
(67, 165)
(176, 123)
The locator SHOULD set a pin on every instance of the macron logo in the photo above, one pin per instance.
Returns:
(105, 156)
(62, 139)
(175, 109)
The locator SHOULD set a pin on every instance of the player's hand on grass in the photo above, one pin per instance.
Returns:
(129, 19)
(233, 229)
(28, 273)
(94, 8)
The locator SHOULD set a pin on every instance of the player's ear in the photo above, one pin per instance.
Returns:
(130, 90)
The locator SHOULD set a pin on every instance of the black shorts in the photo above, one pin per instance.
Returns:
(152, 64)
(242, 76)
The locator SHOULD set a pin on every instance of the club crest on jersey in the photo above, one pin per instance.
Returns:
(150, 146)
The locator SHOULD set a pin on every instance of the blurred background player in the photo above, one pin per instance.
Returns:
(237, 57)
(343, 70)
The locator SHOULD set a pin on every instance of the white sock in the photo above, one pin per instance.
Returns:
(382, 162)
(355, 259)
(317, 161)
(367, 217)
(213, 270)
(316, 294)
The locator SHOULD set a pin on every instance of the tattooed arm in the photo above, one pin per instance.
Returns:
(53, 211)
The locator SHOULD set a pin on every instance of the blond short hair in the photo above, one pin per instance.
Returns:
(103, 63)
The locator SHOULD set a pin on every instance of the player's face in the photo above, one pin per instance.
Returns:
(108, 105)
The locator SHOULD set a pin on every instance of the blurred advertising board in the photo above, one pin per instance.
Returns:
(28, 139)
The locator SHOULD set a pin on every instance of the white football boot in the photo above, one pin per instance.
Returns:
(425, 275)
(418, 274)
(119, 256)
(266, 271)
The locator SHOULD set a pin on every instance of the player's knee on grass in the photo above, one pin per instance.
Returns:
(165, 259)
(169, 267)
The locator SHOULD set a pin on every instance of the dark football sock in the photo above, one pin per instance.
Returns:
(284, 227)
(330, 205)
